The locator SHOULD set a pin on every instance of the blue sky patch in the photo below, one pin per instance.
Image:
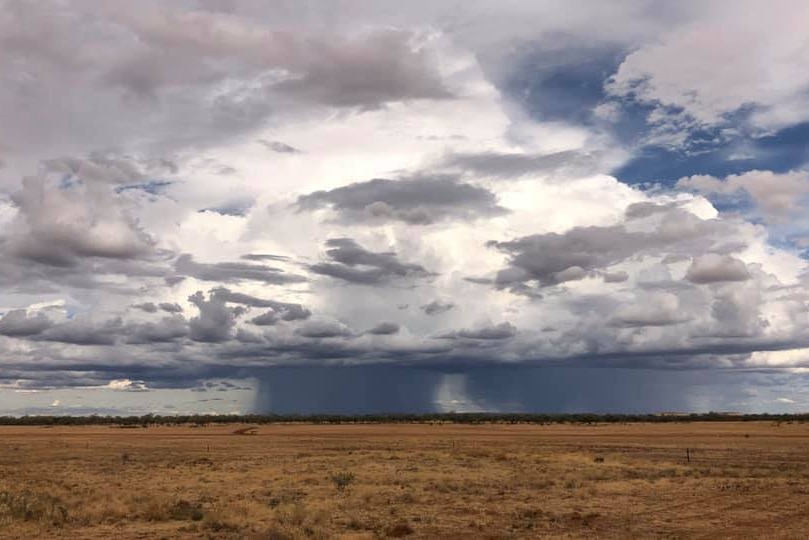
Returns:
(781, 152)
(563, 85)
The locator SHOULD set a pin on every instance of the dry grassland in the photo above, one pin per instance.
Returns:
(745, 480)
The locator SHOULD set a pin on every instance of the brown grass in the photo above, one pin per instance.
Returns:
(407, 481)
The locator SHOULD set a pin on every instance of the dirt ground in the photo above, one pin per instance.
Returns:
(744, 480)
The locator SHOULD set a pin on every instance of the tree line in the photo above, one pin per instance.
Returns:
(432, 418)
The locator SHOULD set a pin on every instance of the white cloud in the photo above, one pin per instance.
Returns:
(126, 384)
(733, 55)
(777, 195)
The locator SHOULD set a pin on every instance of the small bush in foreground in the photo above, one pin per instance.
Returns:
(342, 480)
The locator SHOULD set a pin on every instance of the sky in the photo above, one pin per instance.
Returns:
(235, 206)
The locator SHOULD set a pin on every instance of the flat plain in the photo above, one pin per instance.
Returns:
(658, 480)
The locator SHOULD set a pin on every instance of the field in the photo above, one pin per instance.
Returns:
(743, 480)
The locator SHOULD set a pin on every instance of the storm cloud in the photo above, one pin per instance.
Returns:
(433, 208)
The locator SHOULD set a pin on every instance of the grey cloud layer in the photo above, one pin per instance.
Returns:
(195, 75)
(19, 323)
(283, 310)
(355, 264)
(417, 201)
(233, 271)
(279, 147)
(436, 307)
(714, 268)
(500, 331)
(550, 259)
(58, 226)
(384, 329)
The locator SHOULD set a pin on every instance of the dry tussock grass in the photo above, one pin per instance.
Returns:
(319, 482)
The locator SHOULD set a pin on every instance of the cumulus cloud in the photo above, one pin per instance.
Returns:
(278, 147)
(615, 277)
(777, 195)
(264, 257)
(382, 67)
(166, 330)
(324, 329)
(436, 307)
(645, 209)
(84, 331)
(353, 263)
(687, 69)
(551, 259)
(546, 258)
(59, 225)
(19, 322)
(384, 329)
(215, 321)
(736, 313)
(416, 201)
(268, 318)
(660, 309)
(287, 311)
(170, 307)
(127, 385)
(180, 74)
(500, 331)
(233, 271)
(98, 168)
(715, 268)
